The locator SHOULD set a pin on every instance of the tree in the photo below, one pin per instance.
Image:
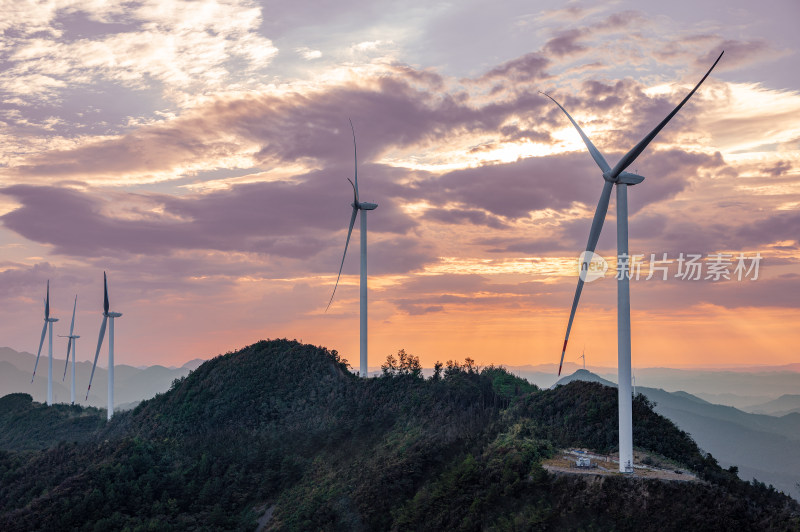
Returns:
(404, 364)
(451, 368)
(469, 365)
(409, 364)
(437, 371)
(390, 366)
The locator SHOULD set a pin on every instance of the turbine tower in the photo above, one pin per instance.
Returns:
(363, 207)
(71, 342)
(106, 315)
(47, 329)
(622, 179)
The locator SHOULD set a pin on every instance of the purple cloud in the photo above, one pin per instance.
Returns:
(565, 43)
(276, 218)
(529, 67)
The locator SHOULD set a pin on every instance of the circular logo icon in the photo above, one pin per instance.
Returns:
(591, 266)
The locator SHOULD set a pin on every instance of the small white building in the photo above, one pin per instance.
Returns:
(583, 461)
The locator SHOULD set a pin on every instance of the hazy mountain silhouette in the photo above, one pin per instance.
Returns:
(785, 404)
(741, 387)
(193, 364)
(583, 375)
(131, 384)
(285, 432)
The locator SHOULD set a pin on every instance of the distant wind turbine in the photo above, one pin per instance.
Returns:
(70, 343)
(583, 356)
(47, 329)
(619, 177)
(363, 207)
(106, 315)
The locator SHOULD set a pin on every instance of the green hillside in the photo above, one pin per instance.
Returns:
(285, 432)
(32, 426)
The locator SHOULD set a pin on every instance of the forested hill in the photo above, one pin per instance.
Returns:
(284, 432)
(26, 425)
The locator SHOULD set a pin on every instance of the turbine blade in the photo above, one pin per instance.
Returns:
(39, 352)
(596, 155)
(349, 232)
(66, 364)
(355, 159)
(594, 235)
(72, 325)
(105, 294)
(97, 353)
(47, 302)
(631, 156)
(355, 194)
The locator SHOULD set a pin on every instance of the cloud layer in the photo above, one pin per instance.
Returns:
(198, 152)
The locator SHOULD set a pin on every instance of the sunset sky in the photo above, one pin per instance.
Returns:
(197, 151)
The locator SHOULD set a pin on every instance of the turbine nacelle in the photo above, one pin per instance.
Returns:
(626, 178)
(364, 206)
(629, 178)
(51, 320)
(113, 314)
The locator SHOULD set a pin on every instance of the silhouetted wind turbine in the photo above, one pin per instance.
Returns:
(106, 315)
(363, 207)
(70, 343)
(583, 356)
(619, 177)
(47, 329)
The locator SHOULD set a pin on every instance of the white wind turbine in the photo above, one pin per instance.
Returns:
(106, 315)
(619, 177)
(71, 342)
(47, 329)
(583, 356)
(363, 207)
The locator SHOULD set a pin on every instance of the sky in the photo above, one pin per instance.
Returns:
(197, 151)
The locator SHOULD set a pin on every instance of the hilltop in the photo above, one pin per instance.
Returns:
(760, 446)
(285, 433)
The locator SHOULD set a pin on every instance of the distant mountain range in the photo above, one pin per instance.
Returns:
(764, 447)
(747, 388)
(785, 404)
(131, 385)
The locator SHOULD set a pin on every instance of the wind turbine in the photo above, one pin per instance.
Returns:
(72, 341)
(583, 356)
(363, 207)
(619, 177)
(47, 329)
(106, 315)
